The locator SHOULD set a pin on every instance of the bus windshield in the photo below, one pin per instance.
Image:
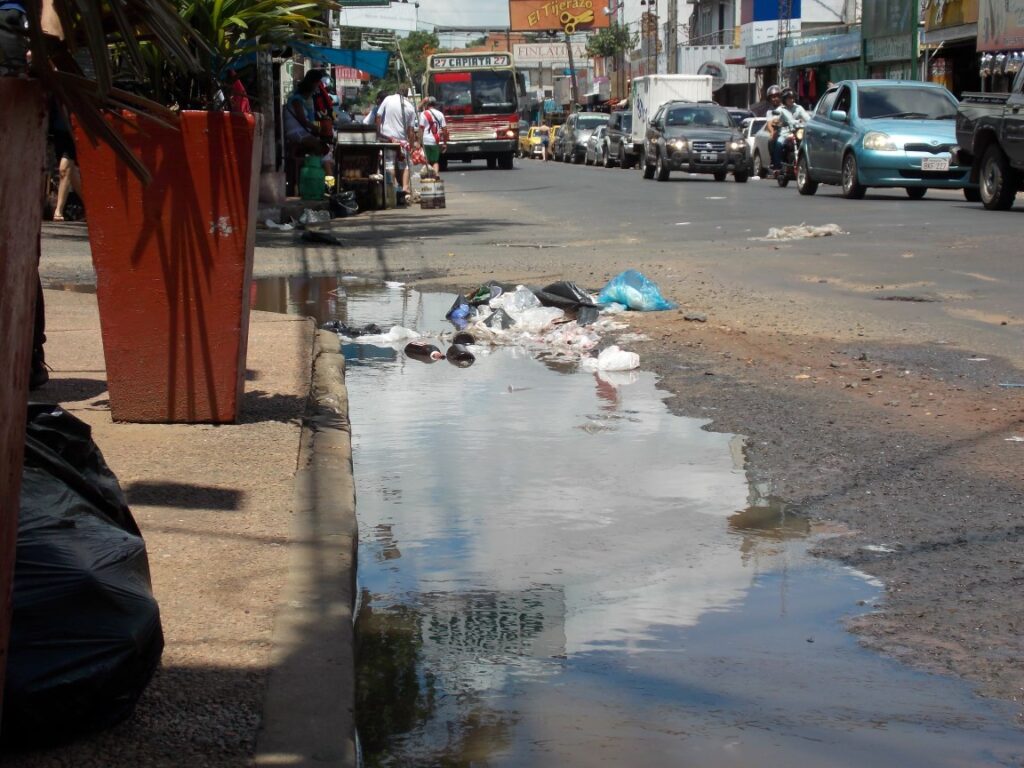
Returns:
(474, 93)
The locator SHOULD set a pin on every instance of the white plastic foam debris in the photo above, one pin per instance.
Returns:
(881, 548)
(1015, 439)
(803, 231)
(516, 302)
(274, 225)
(612, 359)
(397, 333)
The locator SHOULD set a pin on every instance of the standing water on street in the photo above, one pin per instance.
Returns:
(554, 570)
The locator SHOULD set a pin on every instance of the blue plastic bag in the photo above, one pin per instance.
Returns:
(635, 291)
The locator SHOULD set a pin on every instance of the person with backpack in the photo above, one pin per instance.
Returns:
(433, 132)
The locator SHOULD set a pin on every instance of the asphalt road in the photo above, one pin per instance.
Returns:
(864, 368)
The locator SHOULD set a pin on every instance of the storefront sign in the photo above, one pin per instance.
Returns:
(471, 61)
(568, 15)
(717, 72)
(889, 18)
(547, 53)
(800, 53)
(763, 54)
(1001, 26)
(892, 48)
(940, 14)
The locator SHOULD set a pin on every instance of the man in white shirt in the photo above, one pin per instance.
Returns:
(396, 122)
(433, 132)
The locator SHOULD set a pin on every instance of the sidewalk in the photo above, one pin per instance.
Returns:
(254, 596)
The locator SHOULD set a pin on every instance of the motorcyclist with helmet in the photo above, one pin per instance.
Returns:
(788, 117)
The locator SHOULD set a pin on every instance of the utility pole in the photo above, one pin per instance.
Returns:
(574, 87)
(671, 38)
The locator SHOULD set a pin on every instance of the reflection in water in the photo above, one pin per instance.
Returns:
(556, 571)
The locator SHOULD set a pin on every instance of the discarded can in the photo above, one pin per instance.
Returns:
(423, 351)
(459, 356)
(432, 194)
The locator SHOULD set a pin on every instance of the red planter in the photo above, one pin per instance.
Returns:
(23, 138)
(173, 264)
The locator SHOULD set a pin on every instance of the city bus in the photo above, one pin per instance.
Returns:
(479, 96)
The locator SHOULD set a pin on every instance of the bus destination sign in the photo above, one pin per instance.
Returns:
(472, 61)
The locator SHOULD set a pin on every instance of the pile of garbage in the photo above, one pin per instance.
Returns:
(560, 319)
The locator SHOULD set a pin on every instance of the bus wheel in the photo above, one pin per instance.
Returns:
(442, 163)
(492, 163)
(505, 161)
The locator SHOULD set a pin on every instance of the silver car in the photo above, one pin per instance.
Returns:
(597, 147)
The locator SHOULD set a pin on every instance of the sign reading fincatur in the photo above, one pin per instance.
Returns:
(537, 15)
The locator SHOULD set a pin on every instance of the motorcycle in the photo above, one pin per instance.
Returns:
(790, 155)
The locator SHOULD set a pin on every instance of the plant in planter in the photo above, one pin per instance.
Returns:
(173, 256)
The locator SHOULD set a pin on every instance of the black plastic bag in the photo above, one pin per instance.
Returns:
(500, 319)
(568, 297)
(85, 630)
(350, 332)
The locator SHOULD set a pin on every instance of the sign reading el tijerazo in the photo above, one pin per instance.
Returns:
(563, 15)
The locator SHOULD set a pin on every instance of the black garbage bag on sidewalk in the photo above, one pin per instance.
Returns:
(85, 630)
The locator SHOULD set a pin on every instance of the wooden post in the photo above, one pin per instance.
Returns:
(574, 86)
(23, 134)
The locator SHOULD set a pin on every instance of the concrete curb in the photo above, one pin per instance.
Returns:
(308, 708)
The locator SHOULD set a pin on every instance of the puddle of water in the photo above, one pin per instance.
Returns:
(556, 571)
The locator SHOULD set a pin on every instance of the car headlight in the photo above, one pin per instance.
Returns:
(736, 145)
(678, 144)
(878, 141)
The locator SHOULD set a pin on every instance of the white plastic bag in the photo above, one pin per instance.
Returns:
(612, 359)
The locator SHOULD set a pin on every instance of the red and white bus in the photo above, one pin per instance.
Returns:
(479, 96)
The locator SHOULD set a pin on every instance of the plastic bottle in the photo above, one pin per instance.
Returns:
(463, 337)
(423, 351)
(312, 179)
(459, 356)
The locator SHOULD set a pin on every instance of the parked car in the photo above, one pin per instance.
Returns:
(750, 127)
(530, 142)
(882, 133)
(620, 140)
(575, 133)
(597, 147)
(697, 137)
(739, 114)
(989, 129)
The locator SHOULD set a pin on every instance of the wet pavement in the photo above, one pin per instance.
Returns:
(554, 570)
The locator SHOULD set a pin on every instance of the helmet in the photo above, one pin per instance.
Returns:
(773, 90)
(787, 93)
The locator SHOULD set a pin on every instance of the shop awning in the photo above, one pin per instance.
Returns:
(374, 63)
(737, 60)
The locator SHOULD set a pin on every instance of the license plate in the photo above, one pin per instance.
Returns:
(473, 148)
(708, 157)
(935, 164)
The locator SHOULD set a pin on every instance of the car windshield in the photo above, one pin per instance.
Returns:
(757, 125)
(698, 116)
(590, 122)
(627, 122)
(905, 102)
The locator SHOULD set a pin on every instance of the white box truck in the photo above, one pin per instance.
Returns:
(650, 92)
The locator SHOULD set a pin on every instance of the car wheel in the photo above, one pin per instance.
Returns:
(805, 185)
(623, 162)
(972, 194)
(740, 177)
(720, 176)
(998, 182)
(608, 162)
(647, 170)
(661, 171)
(916, 193)
(852, 188)
(759, 166)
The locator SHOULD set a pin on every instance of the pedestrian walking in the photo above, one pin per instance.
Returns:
(433, 132)
(396, 122)
(67, 159)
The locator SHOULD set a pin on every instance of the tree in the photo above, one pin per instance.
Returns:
(613, 40)
(415, 50)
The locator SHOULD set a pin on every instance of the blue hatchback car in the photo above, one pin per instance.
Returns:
(883, 133)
